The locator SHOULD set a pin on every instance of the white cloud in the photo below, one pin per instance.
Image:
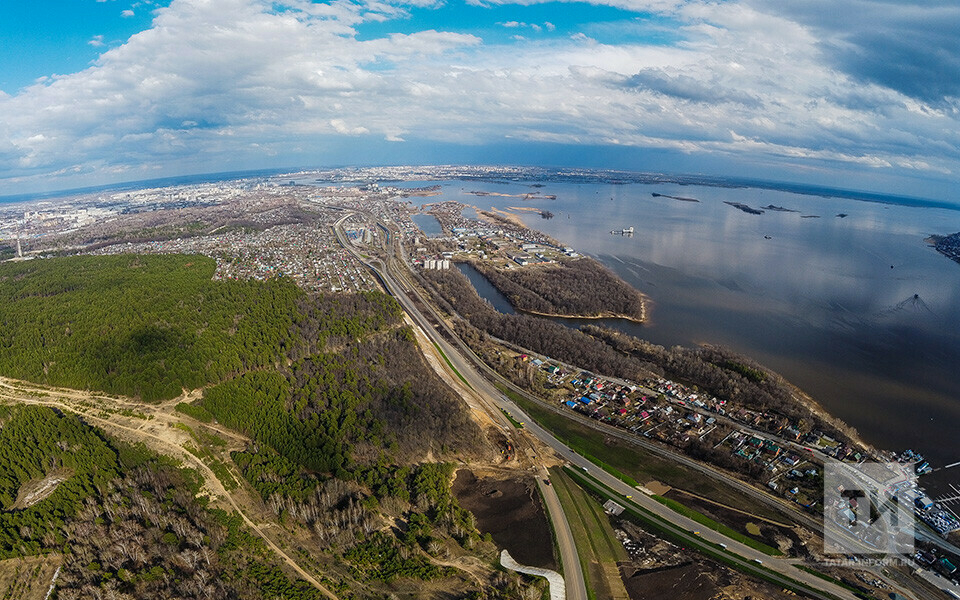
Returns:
(341, 127)
(96, 41)
(522, 25)
(126, 14)
(234, 78)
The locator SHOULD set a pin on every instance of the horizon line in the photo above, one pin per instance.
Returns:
(641, 177)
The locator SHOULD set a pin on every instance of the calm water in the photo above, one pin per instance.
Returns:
(486, 289)
(428, 223)
(857, 311)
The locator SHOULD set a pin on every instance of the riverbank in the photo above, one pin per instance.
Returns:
(638, 320)
(840, 333)
(579, 288)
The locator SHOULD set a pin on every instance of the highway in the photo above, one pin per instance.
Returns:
(576, 588)
(781, 569)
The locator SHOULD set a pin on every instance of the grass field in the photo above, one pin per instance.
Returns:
(597, 546)
(453, 368)
(658, 526)
(27, 578)
(711, 524)
(513, 421)
(633, 464)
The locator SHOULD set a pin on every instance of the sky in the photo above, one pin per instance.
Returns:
(854, 94)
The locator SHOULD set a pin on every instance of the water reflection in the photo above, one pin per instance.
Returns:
(428, 224)
(486, 289)
(858, 311)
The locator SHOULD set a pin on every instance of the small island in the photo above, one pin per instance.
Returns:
(680, 198)
(747, 209)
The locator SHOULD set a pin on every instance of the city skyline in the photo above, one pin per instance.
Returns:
(857, 95)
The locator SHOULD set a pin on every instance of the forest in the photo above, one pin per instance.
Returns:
(581, 287)
(721, 372)
(144, 326)
(716, 370)
(127, 523)
(334, 410)
(348, 515)
(149, 326)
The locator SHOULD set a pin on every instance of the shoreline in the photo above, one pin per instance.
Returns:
(640, 321)
(801, 397)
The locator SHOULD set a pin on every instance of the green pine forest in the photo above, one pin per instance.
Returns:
(127, 523)
(333, 392)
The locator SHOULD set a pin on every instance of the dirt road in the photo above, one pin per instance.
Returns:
(152, 424)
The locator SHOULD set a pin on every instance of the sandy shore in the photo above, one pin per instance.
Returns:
(634, 319)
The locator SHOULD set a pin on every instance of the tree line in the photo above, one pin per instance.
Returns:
(150, 326)
(581, 287)
(127, 523)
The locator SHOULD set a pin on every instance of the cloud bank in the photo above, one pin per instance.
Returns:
(787, 84)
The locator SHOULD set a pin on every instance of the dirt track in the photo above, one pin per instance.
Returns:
(155, 429)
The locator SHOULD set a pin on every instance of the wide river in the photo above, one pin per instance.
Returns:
(858, 311)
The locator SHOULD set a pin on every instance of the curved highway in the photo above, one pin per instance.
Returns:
(781, 570)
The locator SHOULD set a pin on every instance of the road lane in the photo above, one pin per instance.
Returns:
(574, 582)
(816, 586)
(572, 572)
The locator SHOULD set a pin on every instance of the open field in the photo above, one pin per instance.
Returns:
(508, 508)
(639, 464)
(27, 578)
(599, 549)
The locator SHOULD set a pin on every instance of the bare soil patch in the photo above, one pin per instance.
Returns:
(509, 509)
(657, 488)
(27, 578)
(689, 581)
(35, 490)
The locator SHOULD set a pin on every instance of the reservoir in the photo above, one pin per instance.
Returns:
(842, 297)
(428, 223)
(486, 289)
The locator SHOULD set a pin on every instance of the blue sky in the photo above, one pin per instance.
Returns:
(43, 38)
(847, 93)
